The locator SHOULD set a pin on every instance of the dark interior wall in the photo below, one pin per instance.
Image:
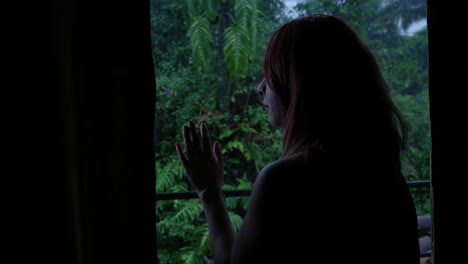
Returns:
(448, 109)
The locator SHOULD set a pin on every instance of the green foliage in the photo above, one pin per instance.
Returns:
(169, 176)
(180, 223)
(206, 49)
(238, 36)
(236, 50)
(200, 37)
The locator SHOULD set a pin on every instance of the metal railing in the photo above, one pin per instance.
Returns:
(239, 193)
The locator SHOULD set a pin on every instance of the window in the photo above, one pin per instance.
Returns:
(195, 83)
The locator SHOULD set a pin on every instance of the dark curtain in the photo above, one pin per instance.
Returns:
(448, 110)
(80, 97)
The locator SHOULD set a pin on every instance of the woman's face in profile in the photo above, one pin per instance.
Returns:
(272, 103)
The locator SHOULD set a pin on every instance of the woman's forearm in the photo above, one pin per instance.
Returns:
(221, 231)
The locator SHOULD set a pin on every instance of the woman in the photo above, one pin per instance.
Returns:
(337, 194)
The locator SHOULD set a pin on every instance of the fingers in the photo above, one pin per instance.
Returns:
(187, 141)
(206, 141)
(182, 157)
(217, 153)
(191, 141)
(194, 137)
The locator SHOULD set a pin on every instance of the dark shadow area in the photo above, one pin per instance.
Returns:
(81, 133)
(447, 48)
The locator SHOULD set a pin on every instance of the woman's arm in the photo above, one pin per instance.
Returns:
(204, 166)
(219, 225)
(258, 238)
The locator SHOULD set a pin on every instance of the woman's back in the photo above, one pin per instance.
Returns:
(333, 212)
(345, 202)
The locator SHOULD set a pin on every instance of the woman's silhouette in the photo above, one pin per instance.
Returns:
(337, 194)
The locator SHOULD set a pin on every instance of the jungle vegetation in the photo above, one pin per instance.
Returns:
(208, 57)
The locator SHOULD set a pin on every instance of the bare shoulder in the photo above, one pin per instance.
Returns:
(282, 167)
(279, 185)
(292, 177)
(278, 174)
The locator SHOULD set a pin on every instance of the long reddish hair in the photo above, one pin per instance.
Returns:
(332, 92)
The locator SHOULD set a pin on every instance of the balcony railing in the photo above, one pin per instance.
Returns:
(239, 193)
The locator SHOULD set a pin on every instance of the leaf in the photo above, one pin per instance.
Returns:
(242, 12)
(236, 50)
(167, 175)
(190, 211)
(241, 129)
(200, 39)
(244, 183)
(228, 133)
(236, 220)
(190, 256)
(181, 187)
(235, 144)
(198, 244)
(164, 178)
(232, 202)
(202, 237)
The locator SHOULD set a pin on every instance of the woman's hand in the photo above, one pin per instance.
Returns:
(203, 163)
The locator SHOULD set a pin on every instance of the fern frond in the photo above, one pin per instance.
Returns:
(198, 245)
(200, 39)
(179, 172)
(200, 240)
(167, 175)
(161, 207)
(181, 187)
(232, 202)
(236, 50)
(244, 183)
(162, 226)
(242, 11)
(236, 220)
(189, 212)
(204, 245)
(191, 256)
(164, 179)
